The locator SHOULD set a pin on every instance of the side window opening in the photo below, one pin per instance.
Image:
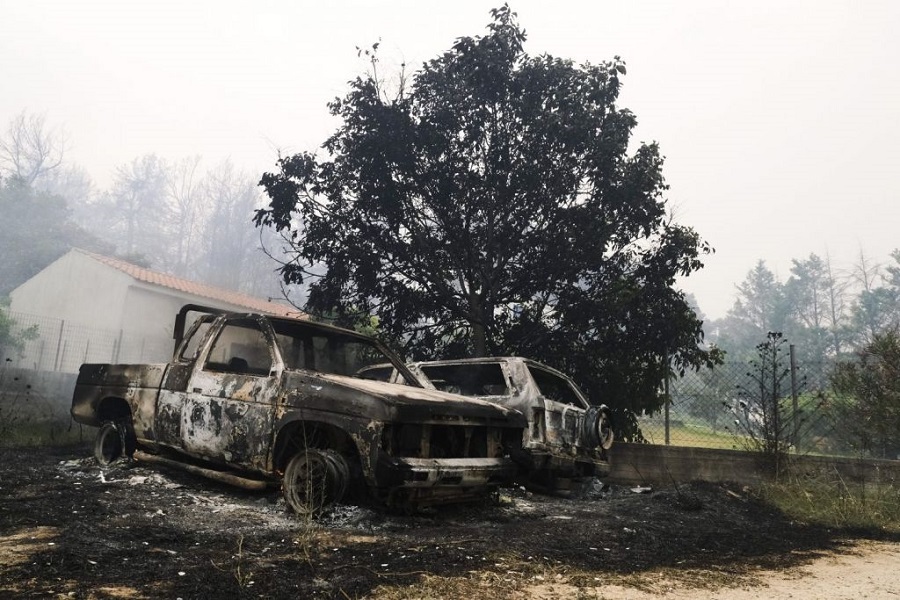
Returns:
(197, 334)
(484, 379)
(554, 387)
(241, 347)
(294, 351)
(310, 348)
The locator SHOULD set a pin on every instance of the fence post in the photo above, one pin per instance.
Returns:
(62, 324)
(794, 399)
(117, 348)
(668, 398)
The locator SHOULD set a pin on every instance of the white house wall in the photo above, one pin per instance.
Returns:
(88, 311)
(150, 310)
(74, 288)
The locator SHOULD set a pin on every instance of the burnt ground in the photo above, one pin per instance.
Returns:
(69, 529)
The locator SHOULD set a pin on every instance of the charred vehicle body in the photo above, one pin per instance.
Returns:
(257, 400)
(567, 436)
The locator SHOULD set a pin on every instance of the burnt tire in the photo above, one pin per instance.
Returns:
(108, 447)
(342, 474)
(598, 428)
(314, 480)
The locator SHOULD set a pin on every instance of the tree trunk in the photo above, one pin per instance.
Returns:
(479, 340)
(477, 318)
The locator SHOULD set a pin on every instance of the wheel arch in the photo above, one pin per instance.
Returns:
(302, 433)
(113, 408)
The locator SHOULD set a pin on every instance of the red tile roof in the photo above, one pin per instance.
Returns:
(195, 288)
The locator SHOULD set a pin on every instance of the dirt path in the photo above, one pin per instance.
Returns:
(71, 530)
(862, 570)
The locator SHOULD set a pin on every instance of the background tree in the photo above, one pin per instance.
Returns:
(837, 307)
(184, 208)
(870, 397)
(30, 149)
(230, 242)
(760, 306)
(135, 204)
(807, 293)
(492, 207)
(877, 307)
(35, 230)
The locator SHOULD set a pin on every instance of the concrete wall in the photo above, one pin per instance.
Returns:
(34, 408)
(37, 393)
(663, 465)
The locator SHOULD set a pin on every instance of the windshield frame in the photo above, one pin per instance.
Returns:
(330, 331)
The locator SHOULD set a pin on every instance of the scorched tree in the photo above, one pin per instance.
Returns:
(489, 204)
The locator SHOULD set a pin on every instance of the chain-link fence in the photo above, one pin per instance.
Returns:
(43, 343)
(748, 406)
(39, 357)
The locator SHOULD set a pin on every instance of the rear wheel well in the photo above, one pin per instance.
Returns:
(113, 409)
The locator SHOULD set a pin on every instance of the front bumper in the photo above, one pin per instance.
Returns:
(417, 482)
(444, 472)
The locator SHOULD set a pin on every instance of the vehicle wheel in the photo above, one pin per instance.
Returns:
(108, 444)
(598, 428)
(314, 480)
(605, 428)
(342, 473)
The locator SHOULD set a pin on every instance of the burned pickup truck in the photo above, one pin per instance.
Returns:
(259, 401)
(567, 437)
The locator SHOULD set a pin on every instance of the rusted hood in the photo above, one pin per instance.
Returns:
(390, 401)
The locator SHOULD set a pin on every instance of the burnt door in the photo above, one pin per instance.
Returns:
(228, 411)
(563, 407)
(174, 387)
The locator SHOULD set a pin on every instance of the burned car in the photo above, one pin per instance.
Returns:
(567, 437)
(257, 401)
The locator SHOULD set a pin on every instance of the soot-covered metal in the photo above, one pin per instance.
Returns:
(278, 401)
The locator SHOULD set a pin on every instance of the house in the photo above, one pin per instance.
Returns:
(85, 307)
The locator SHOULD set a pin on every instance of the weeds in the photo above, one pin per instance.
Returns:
(241, 575)
(238, 568)
(306, 539)
(830, 499)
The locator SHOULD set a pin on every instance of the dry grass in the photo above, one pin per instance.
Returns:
(510, 577)
(829, 499)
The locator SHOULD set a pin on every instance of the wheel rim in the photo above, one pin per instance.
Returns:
(605, 431)
(309, 482)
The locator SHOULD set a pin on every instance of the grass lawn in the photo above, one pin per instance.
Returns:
(689, 434)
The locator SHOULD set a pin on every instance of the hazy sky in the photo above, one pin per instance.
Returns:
(779, 119)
